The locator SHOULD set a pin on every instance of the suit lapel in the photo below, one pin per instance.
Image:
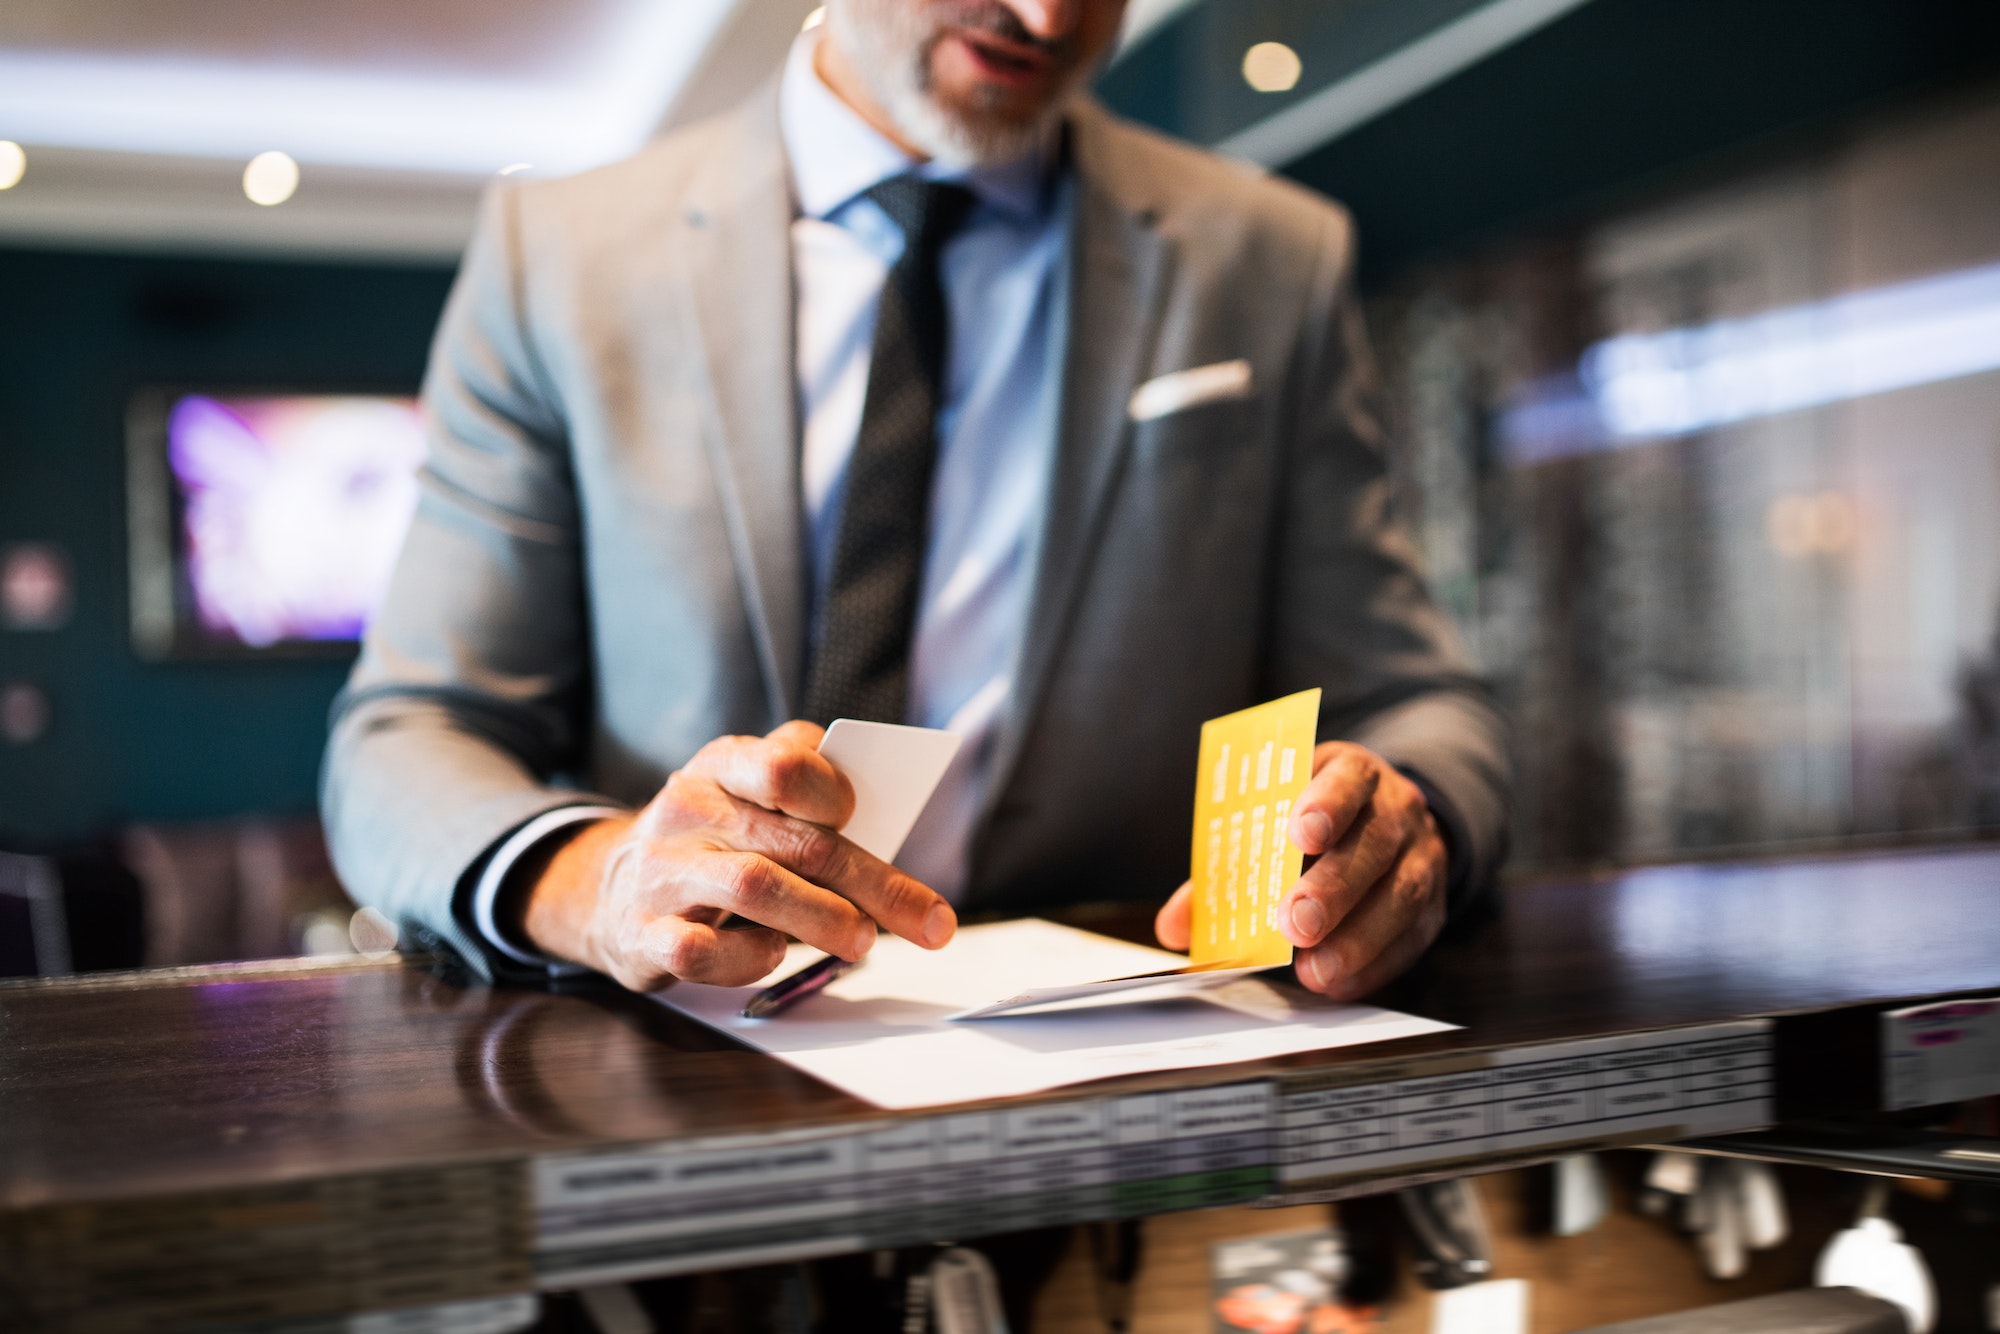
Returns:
(738, 294)
(1118, 261)
(738, 283)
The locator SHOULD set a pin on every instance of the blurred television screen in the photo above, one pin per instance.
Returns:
(266, 522)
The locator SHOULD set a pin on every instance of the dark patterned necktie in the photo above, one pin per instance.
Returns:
(861, 664)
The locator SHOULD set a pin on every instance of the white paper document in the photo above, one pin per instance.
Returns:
(883, 1032)
(1151, 985)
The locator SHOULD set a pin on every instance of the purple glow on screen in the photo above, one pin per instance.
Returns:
(294, 509)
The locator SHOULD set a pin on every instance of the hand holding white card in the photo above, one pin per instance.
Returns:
(893, 770)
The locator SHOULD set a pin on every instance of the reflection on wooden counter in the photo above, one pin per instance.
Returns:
(231, 1144)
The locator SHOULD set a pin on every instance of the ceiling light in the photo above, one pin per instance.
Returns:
(1271, 67)
(590, 102)
(814, 19)
(516, 168)
(13, 161)
(270, 178)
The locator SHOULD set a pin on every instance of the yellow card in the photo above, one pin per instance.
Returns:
(1254, 766)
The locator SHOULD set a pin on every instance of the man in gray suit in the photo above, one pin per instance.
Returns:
(918, 388)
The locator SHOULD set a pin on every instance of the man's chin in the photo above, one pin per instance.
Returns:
(974, 135)
(934, 89)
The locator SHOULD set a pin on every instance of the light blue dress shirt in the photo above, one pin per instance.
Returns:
(1006, 281)
(1005, 276)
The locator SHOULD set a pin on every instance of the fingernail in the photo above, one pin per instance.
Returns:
(1318, 831)
(1309, 920)
(1309, 972)
(939, 925)
(864, 940)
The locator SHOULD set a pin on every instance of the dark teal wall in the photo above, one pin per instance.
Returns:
(79, 332)
(1616, 99)
(1628, 96)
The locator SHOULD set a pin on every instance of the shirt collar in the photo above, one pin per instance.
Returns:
(835, 155)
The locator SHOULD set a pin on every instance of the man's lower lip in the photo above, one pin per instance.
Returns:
(1002, 71)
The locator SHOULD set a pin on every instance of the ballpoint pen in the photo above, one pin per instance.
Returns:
(809, 980)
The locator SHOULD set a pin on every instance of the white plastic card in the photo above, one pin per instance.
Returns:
(893, 770)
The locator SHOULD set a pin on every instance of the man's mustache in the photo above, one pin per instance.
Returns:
(989, 16)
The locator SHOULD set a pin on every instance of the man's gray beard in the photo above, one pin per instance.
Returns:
(888, 44)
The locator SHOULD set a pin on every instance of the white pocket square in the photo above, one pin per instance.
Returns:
(1183, 389)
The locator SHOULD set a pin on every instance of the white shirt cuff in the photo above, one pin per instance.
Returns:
(486, 894)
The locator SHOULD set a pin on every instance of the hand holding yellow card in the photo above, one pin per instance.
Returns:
(1254, 767)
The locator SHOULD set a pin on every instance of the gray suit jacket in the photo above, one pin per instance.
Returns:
(605, 571)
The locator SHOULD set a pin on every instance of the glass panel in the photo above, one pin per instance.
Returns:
(1714, 488)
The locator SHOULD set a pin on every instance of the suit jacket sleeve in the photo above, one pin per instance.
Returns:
(1352, 614)
(467, 696)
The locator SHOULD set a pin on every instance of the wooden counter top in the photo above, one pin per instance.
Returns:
(199, 1082)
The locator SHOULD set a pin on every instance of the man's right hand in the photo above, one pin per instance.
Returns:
(748, 828)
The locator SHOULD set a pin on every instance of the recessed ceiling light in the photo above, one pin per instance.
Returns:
(270, 178)
(34, 587)
(516, 168)
(814, 19)
(13, 162)
(1271, 67)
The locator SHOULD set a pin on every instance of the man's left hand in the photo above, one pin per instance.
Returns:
(1373, 894)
